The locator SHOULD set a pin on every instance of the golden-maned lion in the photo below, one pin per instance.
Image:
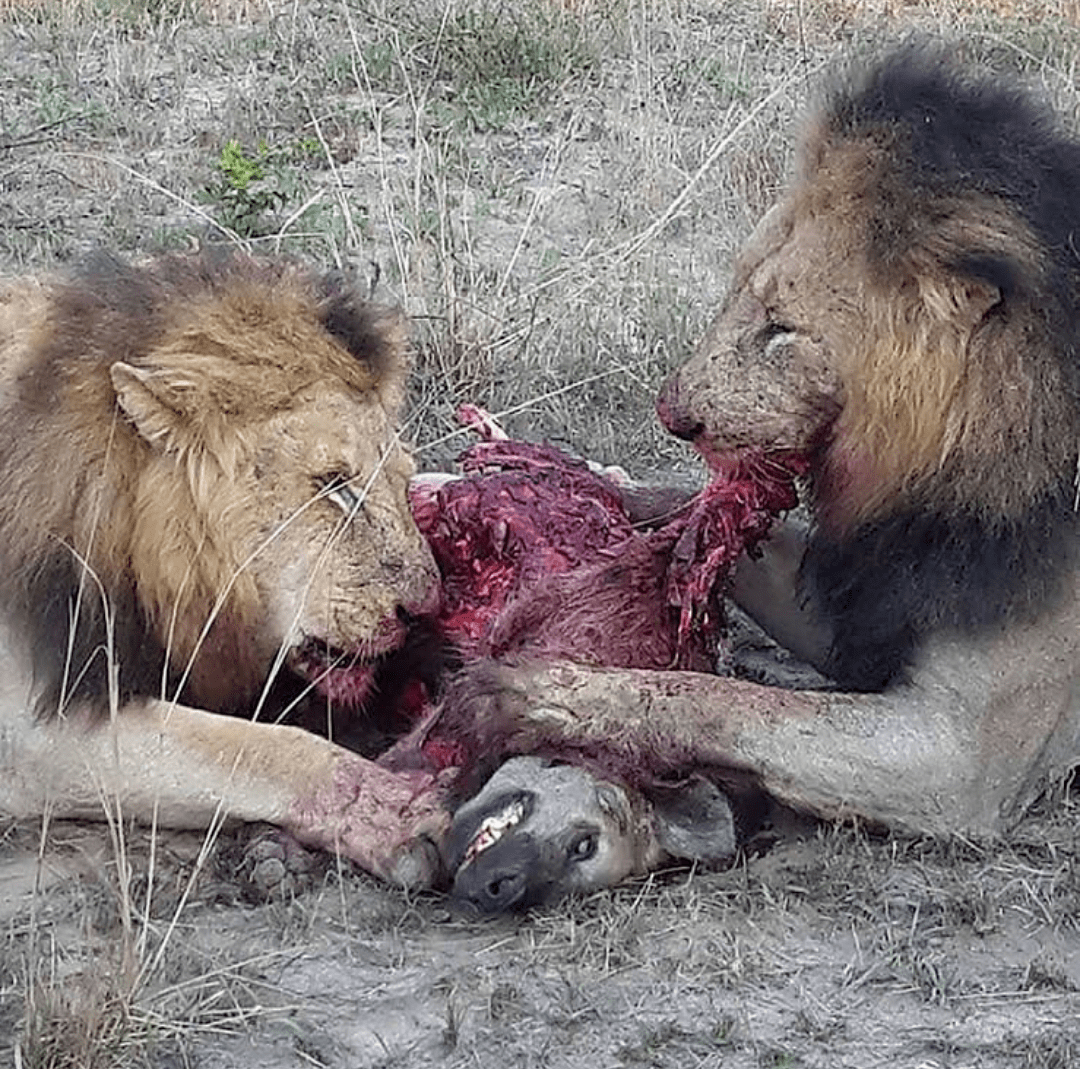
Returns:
(200, 486)
(906, 323)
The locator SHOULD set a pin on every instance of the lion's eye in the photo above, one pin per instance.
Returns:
(336, 488)
(775, 335)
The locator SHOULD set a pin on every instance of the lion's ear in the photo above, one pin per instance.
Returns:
(374, 334)
(960, 300)
(153, 405)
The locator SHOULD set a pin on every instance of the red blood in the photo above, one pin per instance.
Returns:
(731, 515)
(347, 686)
(539, 557)
(445, 753)
(414, 700)
(522, 513)
(345, 680)
(482, 422)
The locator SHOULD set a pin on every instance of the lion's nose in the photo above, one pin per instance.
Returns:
(674, 416)
(425, 598)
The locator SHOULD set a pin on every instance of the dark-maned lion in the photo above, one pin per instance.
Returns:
(201, 484)
(906, 322)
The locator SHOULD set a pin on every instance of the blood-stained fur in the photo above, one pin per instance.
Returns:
(905, 320)
(907, 317)
(201, 492)
(540, 558)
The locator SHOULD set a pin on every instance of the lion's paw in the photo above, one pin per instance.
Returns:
(273, 865)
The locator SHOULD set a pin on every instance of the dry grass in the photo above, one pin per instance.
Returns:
(554, 192)
(832, 948)
(69, 13)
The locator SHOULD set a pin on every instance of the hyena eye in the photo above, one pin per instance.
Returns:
(583, 847)
(337, 488)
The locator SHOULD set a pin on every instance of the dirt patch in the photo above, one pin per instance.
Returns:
(553, 192)
(833, 948)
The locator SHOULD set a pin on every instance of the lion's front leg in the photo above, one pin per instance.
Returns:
(670, 719)
(187, 768)
(908, 760)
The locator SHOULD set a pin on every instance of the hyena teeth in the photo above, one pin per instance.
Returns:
(493, 828)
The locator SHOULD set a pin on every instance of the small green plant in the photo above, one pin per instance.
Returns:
(238, 168)
(246, 188)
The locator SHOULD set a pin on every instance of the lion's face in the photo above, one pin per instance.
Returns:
(867, 342)
(337, 559)
(766, 377)
(271, 523)
(293, 540)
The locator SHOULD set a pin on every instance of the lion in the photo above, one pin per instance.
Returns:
(202, 491)
(905, 325)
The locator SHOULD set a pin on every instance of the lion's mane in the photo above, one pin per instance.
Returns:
(965, 190)
(75, 534)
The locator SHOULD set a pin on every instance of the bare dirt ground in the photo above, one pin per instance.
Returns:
(553, 191)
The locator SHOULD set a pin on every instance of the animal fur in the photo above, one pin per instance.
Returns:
(943, 446)
(201, 489)
(539, 557)
(946, 487)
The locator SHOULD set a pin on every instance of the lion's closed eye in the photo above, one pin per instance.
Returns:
(338, 488)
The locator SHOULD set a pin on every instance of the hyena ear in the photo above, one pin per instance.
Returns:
(158, 408)
(693, 820)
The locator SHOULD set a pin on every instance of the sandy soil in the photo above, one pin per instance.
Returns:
(830, 949)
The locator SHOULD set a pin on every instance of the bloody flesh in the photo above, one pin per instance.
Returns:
(538, 555)
(521, 514)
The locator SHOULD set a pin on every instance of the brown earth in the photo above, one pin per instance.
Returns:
(554, 193)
